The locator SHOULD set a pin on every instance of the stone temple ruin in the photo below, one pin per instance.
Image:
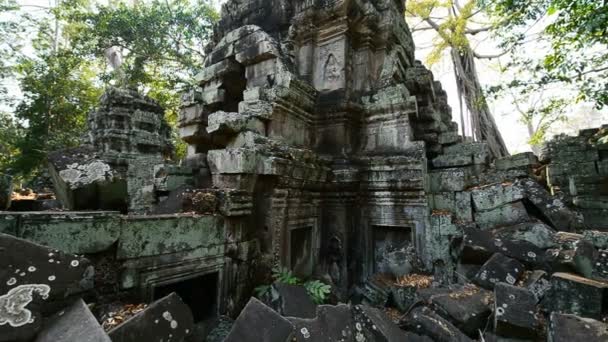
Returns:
(316, 143)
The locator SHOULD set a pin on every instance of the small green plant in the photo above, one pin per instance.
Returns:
(284, 275)
(316, 289)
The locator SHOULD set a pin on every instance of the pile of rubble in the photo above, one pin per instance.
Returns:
(43, 301)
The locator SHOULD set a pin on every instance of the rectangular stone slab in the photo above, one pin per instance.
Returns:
(167, 319)
(259, 323)
(74, 324)
(155, 235)
(571, 328)
(514, 311)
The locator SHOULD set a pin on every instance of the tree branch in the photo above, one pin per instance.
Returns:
(480, 56)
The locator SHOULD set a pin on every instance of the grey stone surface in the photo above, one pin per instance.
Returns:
(576, 295)
(425, 321)
(259, 323)
(331, 323)
(73, 324)
(499, 268)
(371, 324)
(34, 281)
(127, 136)
(566, 328)
(504, 215)
(496, 195)
(520, 160)
(515, 312)
(479, 245)
(468, 307)
(167, 319)
(538, 283)
(291, 301)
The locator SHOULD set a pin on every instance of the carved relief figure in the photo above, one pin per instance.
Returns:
(331, 71)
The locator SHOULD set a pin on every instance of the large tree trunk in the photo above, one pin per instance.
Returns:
(469, 88)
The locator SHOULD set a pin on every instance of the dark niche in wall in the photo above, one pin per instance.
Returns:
(301, 251)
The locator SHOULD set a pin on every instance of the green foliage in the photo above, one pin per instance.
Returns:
(285, 276)
(316, 289)
(451, 30)
(11, 131)
(61, 79)
(58, 92)
(157, 39)
(575, 35)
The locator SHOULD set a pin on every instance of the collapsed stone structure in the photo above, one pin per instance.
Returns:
(316, 142)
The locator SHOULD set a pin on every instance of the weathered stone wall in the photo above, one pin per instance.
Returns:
(311, 109)
(577, 170)
(146, 251)
(113, 170)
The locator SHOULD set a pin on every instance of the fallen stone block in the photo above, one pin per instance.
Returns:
(424, 321)
(403, 296)
(259, 323)
(74, 324)
(586, 258)
(496, 195)
(371, 324)
(538, 283)
(332, 323)
(568, 328)
(375, 292)
(536, 233)
(575, 295)
(83, 180)
(36, 280)
(167, 319)
(499, 269)
(515, 312)
(504, 215)
(220, 330)
(290, 301)
(552, 209)
(479, 245)
(467, 307)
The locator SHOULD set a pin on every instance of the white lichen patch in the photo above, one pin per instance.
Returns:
(31, 269)
(77, 174)
(12, 281)
(74, 263)
(305, 333)
(12, 304)
(51, 278)
(173, 324)
(167, 316)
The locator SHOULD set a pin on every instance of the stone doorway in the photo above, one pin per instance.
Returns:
(388, 243)
(200, 293)
(301, 251)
